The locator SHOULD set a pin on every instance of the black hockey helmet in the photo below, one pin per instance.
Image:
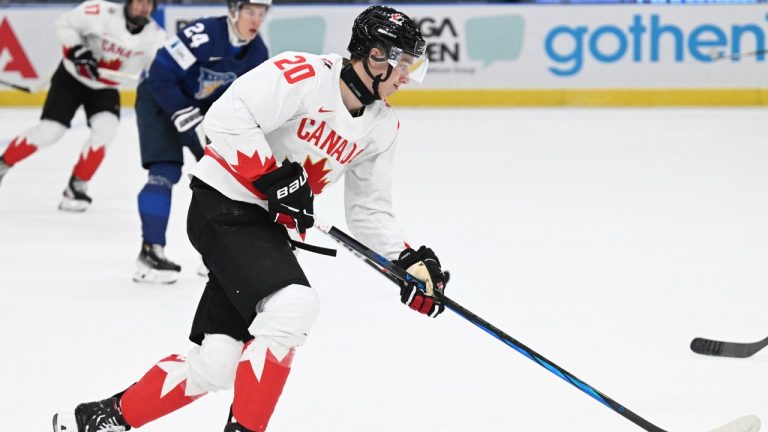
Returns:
(154, 4)
(392, 31)
(385, 26)
(138, 23)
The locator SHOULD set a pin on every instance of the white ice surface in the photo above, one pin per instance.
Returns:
(603, 239)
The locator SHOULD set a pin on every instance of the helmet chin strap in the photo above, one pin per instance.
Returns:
(357, 86)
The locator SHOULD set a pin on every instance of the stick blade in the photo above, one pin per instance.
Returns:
(747, 423)
(723, 349)
(706, 346)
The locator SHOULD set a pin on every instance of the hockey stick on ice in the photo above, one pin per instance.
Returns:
(398, 276)
(727, 349)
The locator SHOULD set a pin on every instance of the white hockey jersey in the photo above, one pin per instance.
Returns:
(290, 108)
(100, 26)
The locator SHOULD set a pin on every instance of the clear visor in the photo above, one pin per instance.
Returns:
(415, 67)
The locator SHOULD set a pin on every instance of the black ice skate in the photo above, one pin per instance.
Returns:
(235, 427)
(153, 267)
(100, 416)
(3, 169)
(75, 199)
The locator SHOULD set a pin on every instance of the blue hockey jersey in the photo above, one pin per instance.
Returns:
(197, 65)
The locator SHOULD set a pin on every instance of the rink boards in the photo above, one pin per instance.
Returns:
(496, 55)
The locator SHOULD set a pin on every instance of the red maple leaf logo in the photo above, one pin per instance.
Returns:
(252, 167)
(396, 18)
(112, 64)
(316, 173)
(234, 172)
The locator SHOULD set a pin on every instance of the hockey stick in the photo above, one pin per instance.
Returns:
(399, 276)
(716, 56)
(111, 73)
(727, 349)
(25, 89)
(107, 73)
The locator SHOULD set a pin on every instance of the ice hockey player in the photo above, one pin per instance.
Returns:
(191, 72)
(98, 37)
(323, 116)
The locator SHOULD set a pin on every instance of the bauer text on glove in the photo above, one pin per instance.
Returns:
(289, 196)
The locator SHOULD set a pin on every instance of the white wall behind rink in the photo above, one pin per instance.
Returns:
(492, 47)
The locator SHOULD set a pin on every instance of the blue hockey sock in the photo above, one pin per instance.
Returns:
(155, 201)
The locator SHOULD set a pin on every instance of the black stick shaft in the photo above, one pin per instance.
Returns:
(398, 275)
(739, 55)
(16, 86)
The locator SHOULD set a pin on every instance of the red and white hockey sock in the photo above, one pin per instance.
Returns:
(103, 130)
(18, 149)
(41, 135)
(159, 392)
(89, 162)
(260, 379)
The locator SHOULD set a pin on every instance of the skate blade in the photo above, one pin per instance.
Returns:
(149, 275)
(73, 205)
(64, 422)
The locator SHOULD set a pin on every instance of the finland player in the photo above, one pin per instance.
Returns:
(97, 36)
(188, 74)
(323, 116)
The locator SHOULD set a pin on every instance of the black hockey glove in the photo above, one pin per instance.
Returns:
(289, 196)
(189, 121)
(424, 265)
(85, 64)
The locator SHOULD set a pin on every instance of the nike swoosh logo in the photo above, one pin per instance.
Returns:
(323, 110)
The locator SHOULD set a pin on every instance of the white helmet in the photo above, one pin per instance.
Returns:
(235, 5)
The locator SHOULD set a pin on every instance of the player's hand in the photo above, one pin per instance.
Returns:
(424, 265)
(199, 140)
(189, 121)
(85, 64)
(289, 196)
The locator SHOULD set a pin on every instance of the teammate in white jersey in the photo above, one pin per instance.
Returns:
(321, 116)
(102, 43)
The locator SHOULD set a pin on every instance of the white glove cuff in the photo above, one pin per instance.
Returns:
(187, 118)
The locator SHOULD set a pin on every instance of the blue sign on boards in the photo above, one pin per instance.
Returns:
(647, 40)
